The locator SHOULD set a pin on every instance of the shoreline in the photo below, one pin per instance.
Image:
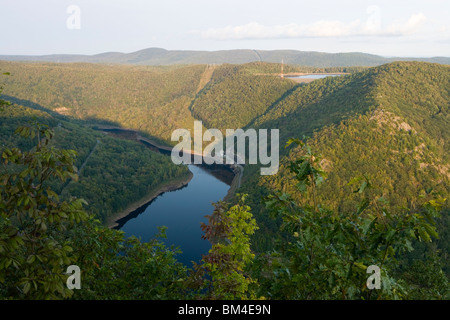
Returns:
(165, 187)
(112, 221)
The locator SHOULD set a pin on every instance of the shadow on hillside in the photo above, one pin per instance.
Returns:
(223, 173)
(323, 103)
(30, 104)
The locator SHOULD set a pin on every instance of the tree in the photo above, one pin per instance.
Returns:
(222, 272)
(33, 257)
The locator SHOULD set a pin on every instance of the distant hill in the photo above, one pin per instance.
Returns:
(158, 56)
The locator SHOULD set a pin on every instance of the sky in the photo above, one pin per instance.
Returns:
(413, 28)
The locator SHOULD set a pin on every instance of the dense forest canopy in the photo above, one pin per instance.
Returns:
(386, 127)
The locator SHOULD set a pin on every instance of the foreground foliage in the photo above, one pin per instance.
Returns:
(326, 253)
(42, 235)
(222, 272)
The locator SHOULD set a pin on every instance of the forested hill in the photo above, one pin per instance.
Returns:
(153, 100)
(113, 174)
(235, 95)
(390, 123)
(158, 56)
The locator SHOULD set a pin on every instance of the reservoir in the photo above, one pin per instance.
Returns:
(181, 211)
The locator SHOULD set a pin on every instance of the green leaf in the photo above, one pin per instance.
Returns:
(361, 266)
(31, 259)
(26, 287)
(294, 140)
(363, 187)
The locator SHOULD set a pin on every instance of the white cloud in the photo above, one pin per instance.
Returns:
(413, 23)
(318, 29)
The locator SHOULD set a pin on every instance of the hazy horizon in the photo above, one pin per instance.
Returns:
(122, 52)
(380, 27)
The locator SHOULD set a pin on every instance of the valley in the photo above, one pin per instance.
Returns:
(388, 123)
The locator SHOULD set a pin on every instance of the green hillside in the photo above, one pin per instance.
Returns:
(113, 173)
(390, 123)
(404, 104)
(154, 100)
(235, 96)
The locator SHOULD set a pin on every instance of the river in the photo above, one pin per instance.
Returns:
(181, 211)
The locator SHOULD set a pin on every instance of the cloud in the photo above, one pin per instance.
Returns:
(318, 29)
(413, 23)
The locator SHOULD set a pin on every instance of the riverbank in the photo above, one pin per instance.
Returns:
(236, 183)
(134, 135)
(164, 187)
(173, 186)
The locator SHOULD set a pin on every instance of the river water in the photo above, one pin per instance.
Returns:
(181, 211)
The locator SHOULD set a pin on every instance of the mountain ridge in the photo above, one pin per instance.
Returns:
(160, 56)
